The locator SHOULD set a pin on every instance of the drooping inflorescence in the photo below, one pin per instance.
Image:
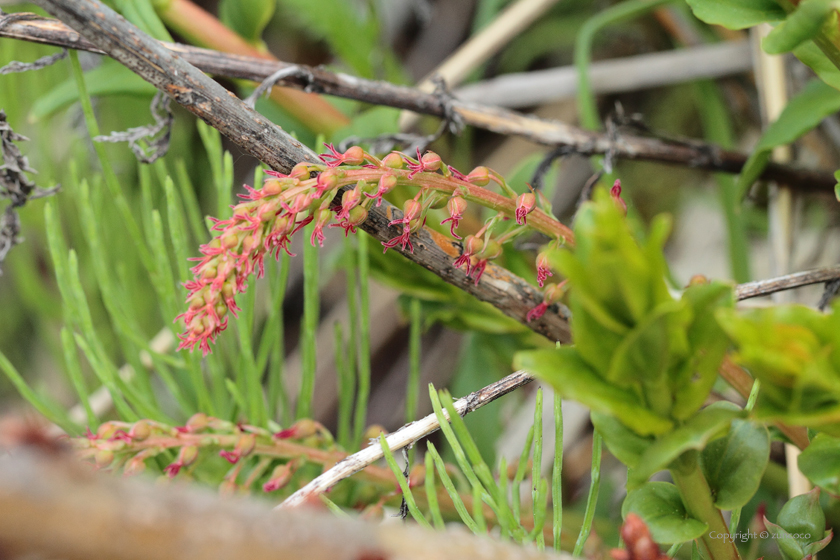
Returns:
(264, 222)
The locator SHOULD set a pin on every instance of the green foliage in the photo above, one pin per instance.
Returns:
(801, 25)
(661, 507)
(639, 355)
(733, 465)
(820, 462)
(737, 14)
(795, 352)
(800, 532)
(707, 425)
(247, 17)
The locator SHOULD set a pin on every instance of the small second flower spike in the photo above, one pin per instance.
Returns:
(615, 193)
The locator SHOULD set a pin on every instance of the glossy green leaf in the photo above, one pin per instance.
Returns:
(803, 113)
(710, 423)
(803, 517)
(109, 78)
(737, 14)
(820, 462)
(734, 465)
(811, 55)
(803, 24)
(708, 342)
(644, 353)
(626, 445)
(349, 31)
(788, 546)
(247, 17)
(660, 506)
(573, 378)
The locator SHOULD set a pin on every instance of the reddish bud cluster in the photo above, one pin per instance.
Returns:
(267, 218)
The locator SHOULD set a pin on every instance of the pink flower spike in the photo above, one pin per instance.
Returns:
(536, 312)
(615, 193)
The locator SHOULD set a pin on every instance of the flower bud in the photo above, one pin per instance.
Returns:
(300, 172)
(355, 155)
(473, 245)
(525, 204)
(272, 187)
(357, 216)
(303, 428)
(411, 210)
(197, 422)
(480, 176)
(394, 160)
(134, 466)
(280, 477)
(140, 431)
(431, 161)
(107, 430)
(103, 458)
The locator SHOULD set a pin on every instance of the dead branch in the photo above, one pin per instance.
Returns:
(267, 142)
(789, 281)
(405, 437)
(54, 506)
(701, 155)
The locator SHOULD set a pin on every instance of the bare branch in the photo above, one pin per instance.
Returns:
(155, 136)
(56, 507)
(786, 282)
(15, 66)
(404, 437)
(541, 131)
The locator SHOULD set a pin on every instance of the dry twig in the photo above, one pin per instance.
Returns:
(789, 281)
(404, 437)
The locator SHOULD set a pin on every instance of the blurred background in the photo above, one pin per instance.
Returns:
(465, 344)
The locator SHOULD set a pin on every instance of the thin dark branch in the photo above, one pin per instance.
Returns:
(787, 282)
(541, 131)
(262, 139)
